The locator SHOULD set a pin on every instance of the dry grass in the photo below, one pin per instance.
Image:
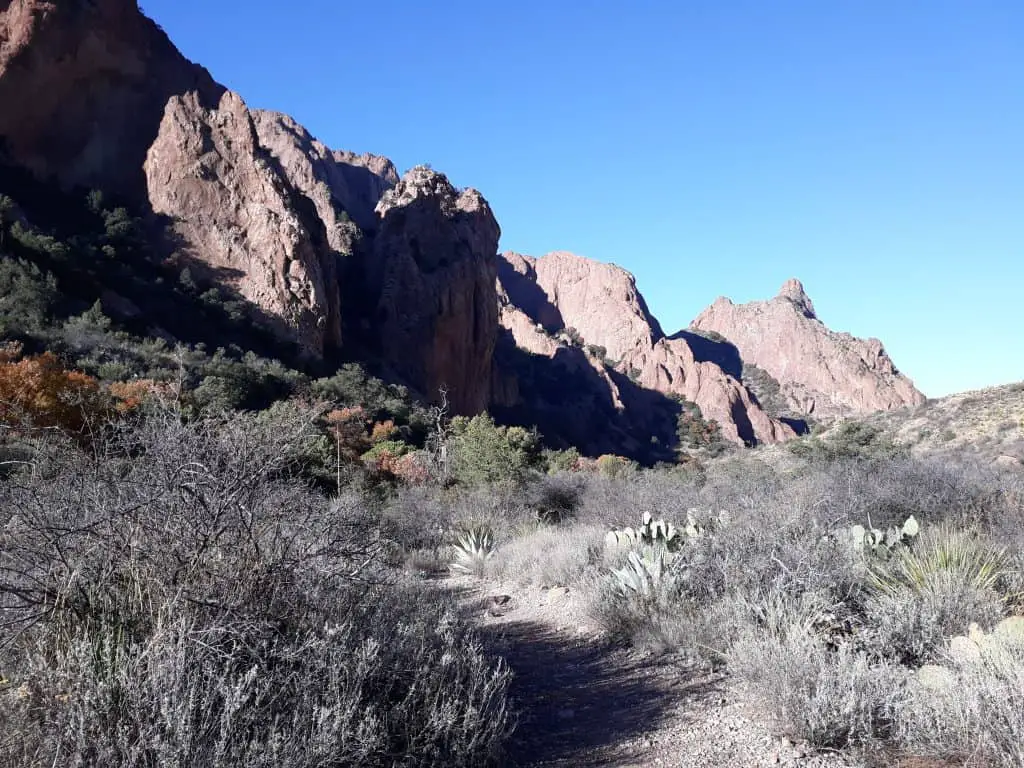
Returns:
(549, 555)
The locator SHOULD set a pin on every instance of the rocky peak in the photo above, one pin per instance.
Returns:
(602, 303)
(821, 373)
(432, 272)
(342, 185)
(793, 291)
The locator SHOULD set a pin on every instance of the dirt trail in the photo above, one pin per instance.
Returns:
(583, 702)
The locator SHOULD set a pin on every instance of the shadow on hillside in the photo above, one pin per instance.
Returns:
(582, 703)
(722, 353)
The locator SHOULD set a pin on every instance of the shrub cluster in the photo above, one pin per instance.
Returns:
(177, 595)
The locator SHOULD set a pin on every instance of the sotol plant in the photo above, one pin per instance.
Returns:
(473, 549)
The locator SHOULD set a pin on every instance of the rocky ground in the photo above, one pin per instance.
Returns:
(585, 702)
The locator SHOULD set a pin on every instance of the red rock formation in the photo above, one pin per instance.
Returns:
(433, 267)
(95, 95)
(83, 87)
(822, 373)
(602, 303)
(342, 185)
(236, 213)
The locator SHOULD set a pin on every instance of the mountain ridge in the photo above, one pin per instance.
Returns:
(350, 260)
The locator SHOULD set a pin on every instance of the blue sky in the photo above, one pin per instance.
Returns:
(874, 149)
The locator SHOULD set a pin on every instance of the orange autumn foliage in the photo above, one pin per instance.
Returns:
(39, 392)
(348, 427)
(383, 430)
(129, 395)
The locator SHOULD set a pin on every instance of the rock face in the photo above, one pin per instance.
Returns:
(104, 100)
(235, 212)
(343, 186)
(431, 272)
(601, 303)
(83, 84)
(821, 373)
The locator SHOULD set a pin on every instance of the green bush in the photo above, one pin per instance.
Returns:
(483, 453)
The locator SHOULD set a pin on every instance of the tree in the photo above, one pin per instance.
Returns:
(484, 453)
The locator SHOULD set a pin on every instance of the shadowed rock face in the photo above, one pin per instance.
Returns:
(84, 85)
(602, 303)
(821, 373)
(432, 271)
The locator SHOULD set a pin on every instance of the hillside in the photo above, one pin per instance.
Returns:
(985, 423)
(818, 373)
(320, 256)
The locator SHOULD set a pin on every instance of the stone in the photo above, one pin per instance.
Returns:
(601, 303)
(821, 373)
(432, 276)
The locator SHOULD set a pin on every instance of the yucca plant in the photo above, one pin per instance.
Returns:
(474, 548)
(942, 556)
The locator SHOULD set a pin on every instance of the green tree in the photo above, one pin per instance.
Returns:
(484, 453)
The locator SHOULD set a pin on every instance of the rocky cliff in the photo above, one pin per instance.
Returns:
(608, 317)
(821, 373)
(96, 96)
(430, 274)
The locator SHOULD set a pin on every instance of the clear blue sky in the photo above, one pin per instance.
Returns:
(872, 148)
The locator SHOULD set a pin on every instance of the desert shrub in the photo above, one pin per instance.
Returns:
(931, 590)
(554, 498)
(610, 465)
(830, 698)
(352, 386)
(551, 556)
(911, 626)
(179, 596)
(851, 439)
(417, 518)
(28, 297)
(561, 461)
(483, 453)
(37, 391)
(245, 383)
(694, 431)
(971, 709)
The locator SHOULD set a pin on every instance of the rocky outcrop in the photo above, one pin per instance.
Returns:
(95, 95)
(608, 316)
(821, 373)
(343, 186)
(431, 271)
(236, 213)
(84, 84)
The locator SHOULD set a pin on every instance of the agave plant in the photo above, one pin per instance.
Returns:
(473, 549)
(643, 575)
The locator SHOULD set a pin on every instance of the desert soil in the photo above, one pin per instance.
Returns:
(582, 701)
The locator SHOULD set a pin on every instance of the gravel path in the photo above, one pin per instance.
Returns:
(583, 702)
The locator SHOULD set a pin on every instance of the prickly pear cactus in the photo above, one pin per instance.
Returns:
(879, 542)
(651, 532)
